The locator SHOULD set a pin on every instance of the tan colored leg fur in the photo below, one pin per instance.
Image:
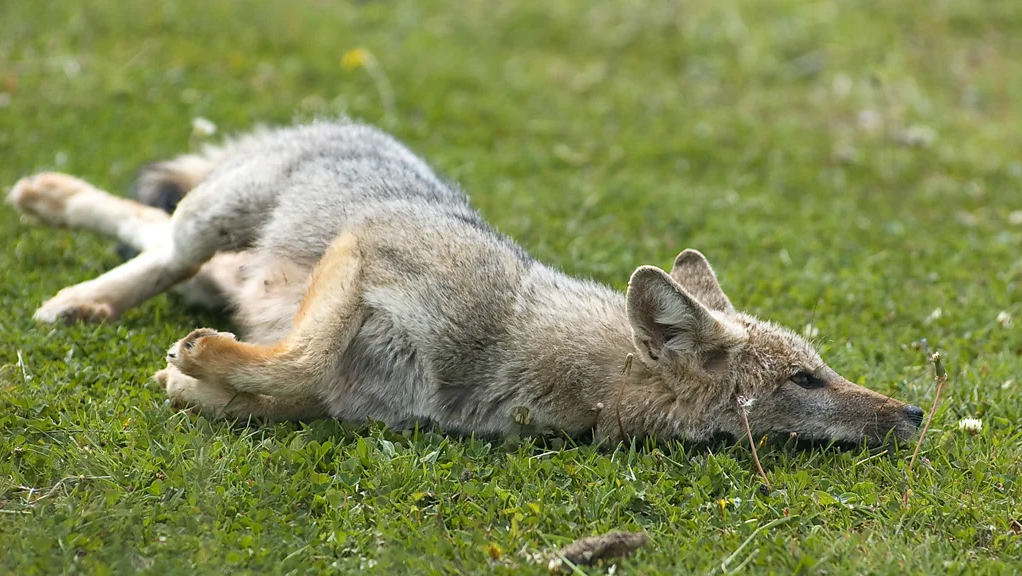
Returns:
(292, 369)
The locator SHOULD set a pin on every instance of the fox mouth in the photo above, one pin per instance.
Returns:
(899, 425)
(904, 429)
(901, 430)
(840, 445)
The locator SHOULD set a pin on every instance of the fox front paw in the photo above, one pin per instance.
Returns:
(74, 304)
(45, 196)
(193, 354)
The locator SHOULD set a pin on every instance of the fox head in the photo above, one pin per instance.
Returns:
(689, 336)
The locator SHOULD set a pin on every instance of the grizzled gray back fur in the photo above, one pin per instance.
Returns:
(454, 306)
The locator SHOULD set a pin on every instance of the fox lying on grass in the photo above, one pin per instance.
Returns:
(368, 288)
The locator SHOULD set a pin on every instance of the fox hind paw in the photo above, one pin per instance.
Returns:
(187, 353)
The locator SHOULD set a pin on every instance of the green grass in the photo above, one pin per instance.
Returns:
(602, 135)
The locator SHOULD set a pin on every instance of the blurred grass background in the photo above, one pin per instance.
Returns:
(850, 165)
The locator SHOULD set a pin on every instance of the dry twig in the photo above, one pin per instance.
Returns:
(940, 375)
(620, 393)
(743, 403)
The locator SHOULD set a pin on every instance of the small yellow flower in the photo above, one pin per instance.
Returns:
(494, 551)
(355, 58)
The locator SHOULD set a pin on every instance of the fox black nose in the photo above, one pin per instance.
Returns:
(915, 414)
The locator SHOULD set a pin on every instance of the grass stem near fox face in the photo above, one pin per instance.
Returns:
(368, 288)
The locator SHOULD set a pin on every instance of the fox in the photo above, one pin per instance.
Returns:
(366, 287)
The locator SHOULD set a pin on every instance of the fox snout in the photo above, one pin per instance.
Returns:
(902, 424)
(891, 419)
(826, 407)
(915, 414)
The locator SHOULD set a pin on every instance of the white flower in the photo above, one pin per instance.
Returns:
(811, 331)
(1004, 319)
(971, 426)
(842, 85)
(918, 136)
(937, 313)
(869, 121)
(202, 127)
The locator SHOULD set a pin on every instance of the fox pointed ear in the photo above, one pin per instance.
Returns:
(666, 319)
(693, 272)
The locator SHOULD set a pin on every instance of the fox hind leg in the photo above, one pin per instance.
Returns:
(328, 319)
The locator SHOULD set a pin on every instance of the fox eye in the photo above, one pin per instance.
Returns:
(807, 380)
